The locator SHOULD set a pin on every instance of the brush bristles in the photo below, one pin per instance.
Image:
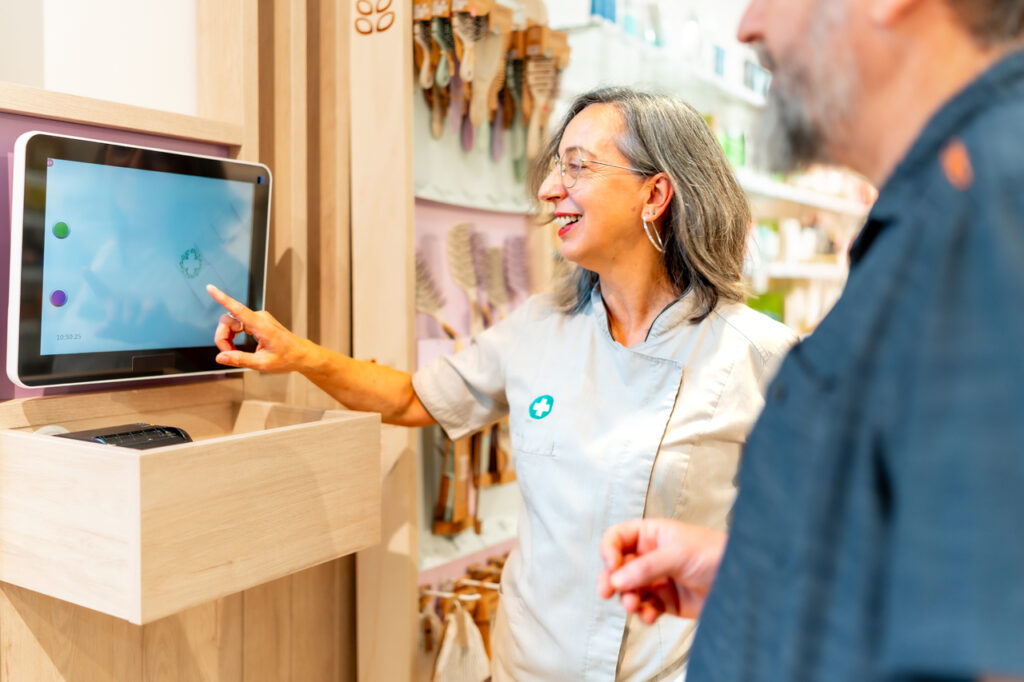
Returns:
(516, 276)
(541, 76)
(497, 294)
(516, 77)
(441, 29)
(469, 28)
(478, 250)
(460, 257)
(428, 297)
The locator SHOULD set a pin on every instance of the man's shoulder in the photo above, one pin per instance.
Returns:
(985, 155)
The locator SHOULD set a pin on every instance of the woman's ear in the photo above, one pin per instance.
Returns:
(659, 196)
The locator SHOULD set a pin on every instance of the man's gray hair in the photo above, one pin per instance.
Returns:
(704, 227)
(991, 22)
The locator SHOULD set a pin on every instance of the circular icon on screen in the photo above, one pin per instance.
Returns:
(61, 230)
(58, 298)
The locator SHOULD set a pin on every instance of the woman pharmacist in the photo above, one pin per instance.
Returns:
(630, 390)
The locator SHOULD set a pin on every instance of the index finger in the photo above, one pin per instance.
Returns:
(237, 309)
(618, 541)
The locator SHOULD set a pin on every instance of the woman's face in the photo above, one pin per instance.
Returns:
(598, 219)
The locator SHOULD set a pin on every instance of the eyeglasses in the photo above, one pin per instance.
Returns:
(572, 164)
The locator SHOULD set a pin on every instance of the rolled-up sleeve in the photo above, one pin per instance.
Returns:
(466, 391)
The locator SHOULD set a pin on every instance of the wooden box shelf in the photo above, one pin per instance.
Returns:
(265, 490)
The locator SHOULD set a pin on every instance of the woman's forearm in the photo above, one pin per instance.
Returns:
(365, 386)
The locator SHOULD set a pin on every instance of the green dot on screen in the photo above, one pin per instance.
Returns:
(61, 230)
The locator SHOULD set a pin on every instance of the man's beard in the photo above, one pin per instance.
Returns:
(792, 137)
(809, 103)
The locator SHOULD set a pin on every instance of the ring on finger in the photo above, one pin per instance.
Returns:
(241, 324)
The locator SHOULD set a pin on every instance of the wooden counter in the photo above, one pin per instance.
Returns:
(265, 491)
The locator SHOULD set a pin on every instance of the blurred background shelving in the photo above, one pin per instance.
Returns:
(802, 223)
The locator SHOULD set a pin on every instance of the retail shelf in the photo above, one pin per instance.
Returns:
(806, 270)
(440, 550)
(756, 183)
(729, 89)
(662, 68)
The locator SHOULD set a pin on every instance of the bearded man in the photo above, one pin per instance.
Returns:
(876, 535)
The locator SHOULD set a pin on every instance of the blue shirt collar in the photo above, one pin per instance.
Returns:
(1004, 77)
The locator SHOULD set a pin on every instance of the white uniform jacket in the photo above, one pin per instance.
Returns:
(601, 434)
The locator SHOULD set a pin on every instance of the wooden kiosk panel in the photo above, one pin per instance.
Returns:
(266, 490)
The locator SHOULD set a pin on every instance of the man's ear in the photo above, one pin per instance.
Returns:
(885, 12)
(659, 196)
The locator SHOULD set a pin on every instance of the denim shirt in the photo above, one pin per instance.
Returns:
(877, 531)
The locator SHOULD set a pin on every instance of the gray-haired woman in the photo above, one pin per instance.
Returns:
(630, 390)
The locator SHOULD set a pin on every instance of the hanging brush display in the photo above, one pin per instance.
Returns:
(517, 278)
(497, 292)
(547, 52)
(444, 38)
(429, 299)
(421, 34)
(490, 59)
(542, 81)
(462, 270)
(470, 30)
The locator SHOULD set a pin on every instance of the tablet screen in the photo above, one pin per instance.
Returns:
(130, 251)
(117, 246)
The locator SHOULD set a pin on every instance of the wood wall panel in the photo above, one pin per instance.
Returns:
(381, 199)
(267, 644)
(315, 620)
(200, 644)
(228, 76)
(275, 87)
(49, 640)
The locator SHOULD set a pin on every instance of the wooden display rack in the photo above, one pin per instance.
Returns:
(236, 535)
(265, 490)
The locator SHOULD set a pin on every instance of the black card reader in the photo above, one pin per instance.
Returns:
(140, 435)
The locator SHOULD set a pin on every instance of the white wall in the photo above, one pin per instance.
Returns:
(21, 42)
(139, 52)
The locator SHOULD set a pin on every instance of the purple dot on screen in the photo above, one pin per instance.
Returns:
(59, 297)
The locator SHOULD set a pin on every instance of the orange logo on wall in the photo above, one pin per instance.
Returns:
(372, 19)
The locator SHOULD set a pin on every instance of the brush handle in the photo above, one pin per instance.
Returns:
(445, 327)
(535, 133)
(476, 322)
(424, 40)
(468, 66)
(437, 114)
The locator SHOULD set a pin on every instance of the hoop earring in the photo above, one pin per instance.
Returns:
(658, 245)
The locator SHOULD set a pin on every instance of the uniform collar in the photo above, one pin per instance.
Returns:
(1005, 77)
(675, 313)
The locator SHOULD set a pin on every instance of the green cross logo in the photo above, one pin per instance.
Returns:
(541, 407)
(191, 262)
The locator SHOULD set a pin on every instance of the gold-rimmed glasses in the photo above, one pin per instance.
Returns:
(572, 164)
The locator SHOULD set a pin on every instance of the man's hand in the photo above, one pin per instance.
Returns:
(660, 566)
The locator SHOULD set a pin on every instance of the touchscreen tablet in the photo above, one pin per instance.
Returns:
(111, 248)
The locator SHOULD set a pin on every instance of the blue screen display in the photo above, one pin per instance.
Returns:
(128, 252)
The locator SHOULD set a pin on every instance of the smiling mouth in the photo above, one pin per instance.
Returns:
(565, 223)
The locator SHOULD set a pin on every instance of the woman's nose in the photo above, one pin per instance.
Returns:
(552, 188)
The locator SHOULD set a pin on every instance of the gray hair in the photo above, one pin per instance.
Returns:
(991, 22)
(707, 220)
